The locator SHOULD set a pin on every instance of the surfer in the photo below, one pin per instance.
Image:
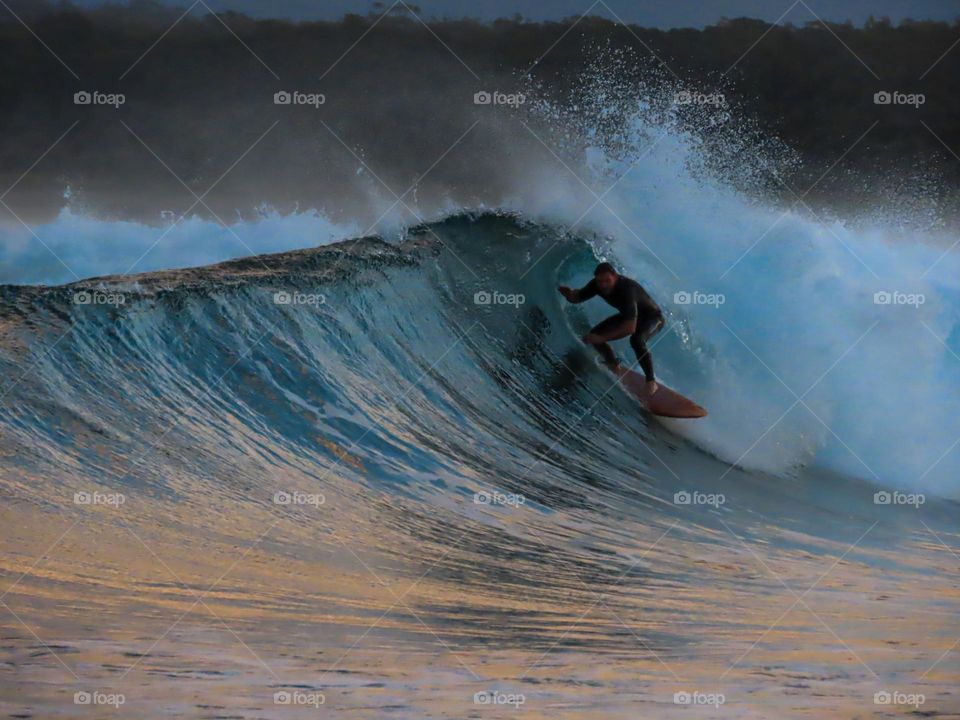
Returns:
(639, 317)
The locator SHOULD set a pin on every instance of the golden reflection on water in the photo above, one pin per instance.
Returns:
(208, 609)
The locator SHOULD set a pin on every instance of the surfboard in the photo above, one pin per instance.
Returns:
(665, 402)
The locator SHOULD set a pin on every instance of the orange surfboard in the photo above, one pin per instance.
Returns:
(664, 402)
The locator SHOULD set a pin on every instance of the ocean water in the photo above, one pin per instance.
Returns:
(382, 478)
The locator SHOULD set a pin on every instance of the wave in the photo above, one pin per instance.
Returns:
(451, 355)
(816, 343)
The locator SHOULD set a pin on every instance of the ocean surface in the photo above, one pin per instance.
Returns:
(366, 469)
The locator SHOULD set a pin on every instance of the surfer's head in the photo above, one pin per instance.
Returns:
(606, 277)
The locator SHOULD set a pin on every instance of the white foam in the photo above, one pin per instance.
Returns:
(75, 246)
(800, 365)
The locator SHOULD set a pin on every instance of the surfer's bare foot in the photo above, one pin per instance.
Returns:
(652, 386)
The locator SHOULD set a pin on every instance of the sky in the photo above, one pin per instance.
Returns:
(649, 13)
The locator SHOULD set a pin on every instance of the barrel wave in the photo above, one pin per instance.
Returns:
(459, 327)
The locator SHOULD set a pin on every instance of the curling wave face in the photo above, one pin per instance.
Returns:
(366, 319)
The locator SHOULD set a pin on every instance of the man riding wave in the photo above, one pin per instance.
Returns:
(639, 317)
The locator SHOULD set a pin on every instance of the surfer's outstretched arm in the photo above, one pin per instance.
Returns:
(578, 296)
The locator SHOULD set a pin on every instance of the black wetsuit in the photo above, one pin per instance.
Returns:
(632, 301)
